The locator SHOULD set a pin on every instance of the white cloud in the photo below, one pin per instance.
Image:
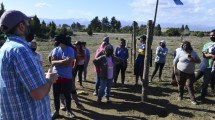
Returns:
(41, 4)
(83, 14)
(191, 12)
(211, 11)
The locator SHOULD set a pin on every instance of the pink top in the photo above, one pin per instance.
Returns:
(110, 67)
(98, 53)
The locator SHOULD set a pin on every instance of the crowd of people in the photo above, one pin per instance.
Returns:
(24, 86)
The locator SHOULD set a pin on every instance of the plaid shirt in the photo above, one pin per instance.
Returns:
(20, 73)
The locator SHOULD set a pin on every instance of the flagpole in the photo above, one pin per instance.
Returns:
(155, 16)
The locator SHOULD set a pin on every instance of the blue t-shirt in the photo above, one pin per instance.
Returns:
(58, 53)
(122, 53)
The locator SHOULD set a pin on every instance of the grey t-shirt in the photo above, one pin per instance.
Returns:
(183, 63)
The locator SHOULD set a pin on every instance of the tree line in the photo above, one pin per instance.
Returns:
(46, 30)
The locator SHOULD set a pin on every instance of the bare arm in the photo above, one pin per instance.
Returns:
(42, 91)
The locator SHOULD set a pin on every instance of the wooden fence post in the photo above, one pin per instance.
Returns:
(145, 81)
(134, 40)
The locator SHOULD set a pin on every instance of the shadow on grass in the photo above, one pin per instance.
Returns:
(160, 107)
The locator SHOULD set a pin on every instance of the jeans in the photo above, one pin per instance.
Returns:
(123, 69)
(208, 76)
(105, 88)
(97, 84)
(64, 88)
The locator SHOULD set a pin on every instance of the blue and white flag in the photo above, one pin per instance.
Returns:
(178, 2)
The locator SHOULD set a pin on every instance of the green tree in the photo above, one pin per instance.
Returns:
(172, 32)
(96, 24)
(142, 30)
(157, 30)
(113, 23)
(35, 22)
(52, 28)
(118, 26)
(182, 28)
(126, 29)
(105, 24)
(89, 31)
(44, 30)
(186, 27)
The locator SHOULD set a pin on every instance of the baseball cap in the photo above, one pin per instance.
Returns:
(142, 37)
(106, 39)
(10, 19)
(163, 41)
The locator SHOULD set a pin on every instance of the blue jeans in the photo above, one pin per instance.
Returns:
(97, 84)
(206, 80)
(105, 87)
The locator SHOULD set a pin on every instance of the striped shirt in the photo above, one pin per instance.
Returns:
(21, 73)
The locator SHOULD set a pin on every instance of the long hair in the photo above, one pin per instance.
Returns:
(186, 46)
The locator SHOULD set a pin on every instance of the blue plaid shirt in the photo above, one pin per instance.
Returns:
(20, 73)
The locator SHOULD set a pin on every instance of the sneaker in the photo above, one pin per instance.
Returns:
(194, 102)
(70, 114)
(108, 101)
(180, 98)
(95, 93)
(55, 114)
(77, 80)
(160, 80)
(79, 106)
(63, 108)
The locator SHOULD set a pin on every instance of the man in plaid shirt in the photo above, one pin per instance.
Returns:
(24, 87)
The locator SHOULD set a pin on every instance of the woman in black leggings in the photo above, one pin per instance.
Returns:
(160, 59)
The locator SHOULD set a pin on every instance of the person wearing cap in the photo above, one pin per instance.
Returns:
(24, 86)
(121, 52)
(139, 62)
(160, 59)
(184, 66)
(99, 52)
(87, 59)
(79, 62)
(106, 63)
(61, 59)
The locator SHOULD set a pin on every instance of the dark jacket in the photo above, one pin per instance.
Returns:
(101, 64)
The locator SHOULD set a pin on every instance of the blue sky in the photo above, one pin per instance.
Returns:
(193, 12)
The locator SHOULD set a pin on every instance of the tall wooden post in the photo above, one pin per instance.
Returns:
(134, 40)
(145, 81)
(131, 52)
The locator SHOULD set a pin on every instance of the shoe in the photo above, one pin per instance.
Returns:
(81, 87)
(95, 93)
(108, 101)
(77, 80)
(79, 106)
(63, 108)
(55, 114)
(150, 81)
(160, 80)
(180, 98)
(70, 114)
(194, 102)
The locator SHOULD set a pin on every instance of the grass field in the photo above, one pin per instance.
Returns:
(126, 105)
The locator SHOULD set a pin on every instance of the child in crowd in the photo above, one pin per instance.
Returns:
(106, 65)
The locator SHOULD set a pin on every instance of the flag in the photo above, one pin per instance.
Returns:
(178, 2)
